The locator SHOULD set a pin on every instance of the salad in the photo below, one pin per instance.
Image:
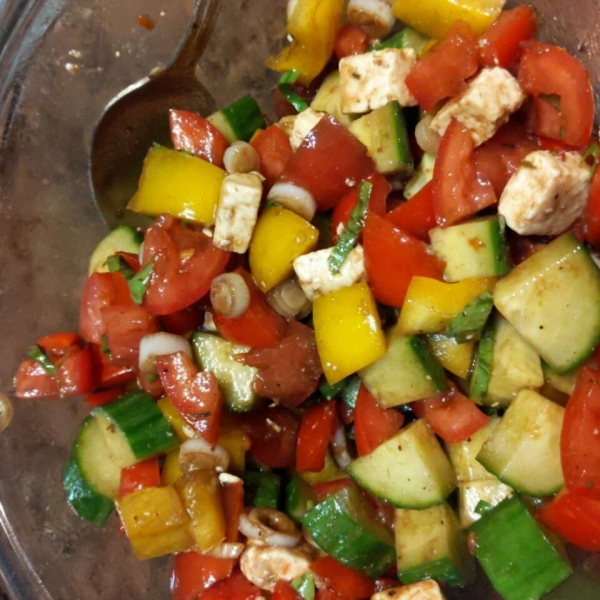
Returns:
(355, 355)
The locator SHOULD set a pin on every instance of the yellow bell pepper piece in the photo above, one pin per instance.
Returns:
(237, 443)
(435, 17)
(454, 357)
(181, 185)
(430, 305)
(200, 493)
(171, 471)
(177, 422)
(280, 236)
(155, 522)
(329, 472)
(313, 25)
(348, 331)
(255, 135)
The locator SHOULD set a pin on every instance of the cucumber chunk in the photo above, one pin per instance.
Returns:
(405, 38)
(383, 132)
(431, 545)
(563, 383)
(422, 176)
(553, 300)
(299, 497)
(490, 491)
(524, 449)
(408, 371)
(472, 249)
(235, 379)
(517, 557)
(346, 527)
(239, 120)
(121, 239)
(410, 470)
(329, 99)
(261, 488)
(454, 357)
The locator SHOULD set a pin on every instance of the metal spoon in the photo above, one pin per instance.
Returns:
(138, 116)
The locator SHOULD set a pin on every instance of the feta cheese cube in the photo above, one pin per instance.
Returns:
(303, 124)
(424, 590)
(484, 106)
(547, 194)
(371, 80)
(315, 277)
(374, 16)
(237, 211)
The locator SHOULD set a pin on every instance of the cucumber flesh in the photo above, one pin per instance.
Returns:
(329, 99)
(405, 38)
(422, 176)
(553, 300)
(467, 325)
(239, 120)
(410, 470)
(454, 357)
(121, 239)
(490, 491)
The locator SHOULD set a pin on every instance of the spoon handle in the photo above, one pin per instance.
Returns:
(204, 15)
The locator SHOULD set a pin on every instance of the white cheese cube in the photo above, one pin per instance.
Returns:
(374, 16)
(424, 590)
(547, 194)
(371, 80)
(303, 124)
(237, 211)
(484, 106)
(315, 277)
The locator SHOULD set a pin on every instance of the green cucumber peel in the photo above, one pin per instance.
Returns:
(291, 95)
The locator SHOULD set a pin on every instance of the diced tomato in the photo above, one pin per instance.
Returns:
(56, 344)
(139, 476)
(351, 39)
(289, 372)
(544, 118)
(274, 150)
(329, 162)
(186, 263)
(316, 431)
(273, 433)
(373, 425)
(194, 134)
(32, 381)
(195, 394)
(575, 515)
(348, 583)
(591, 218)
(125, 326)
(235, 587)
(75, 373)
(322, 489)
(183, 321)
(377, 202)
(415, 216)
(233, 504)
(101, 290)
(441, 73)
(579, 442)
(103, 397)
(345, 413)
(451, 415)
(107, 374)
(284, 591)
(393, 258)
(459, 191)
(501, 44)
(193, 573)
(547, 70)
(151, 384)
(497, 159)
(259, 326)
(557, 146)
(327, 594)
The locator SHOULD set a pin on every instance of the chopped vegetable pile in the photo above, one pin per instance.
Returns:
(355, 356)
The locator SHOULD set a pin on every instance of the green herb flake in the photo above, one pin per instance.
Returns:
(291, 95)
(138, 282)
(592, 152)
(553, 99)
(352, 230)
(37, 354)
(104, 345)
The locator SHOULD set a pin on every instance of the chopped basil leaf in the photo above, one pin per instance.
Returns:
(37, 354)
(290, 94)
(552, 99)
(151, 377)
(118, 263)
(104, 345)
(592, 152)
(350, 234)
(138, 282)
(305, 586)
(331, 391)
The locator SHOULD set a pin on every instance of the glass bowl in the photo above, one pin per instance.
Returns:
(61, 61)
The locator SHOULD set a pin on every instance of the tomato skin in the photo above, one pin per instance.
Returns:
(259, 326)
(139, 476)
(580, 450)
(272, 445)
(183, 321)
(284, 591)
(326, 488)
(458, 192)
(351, 39)
(329, 162)
(452, 416)
(31, 381)
(373, 425)
(501, 44)
(57, 343)
(194, 134)
(274, 150)
(103, 397)
(316, 432)
(75, 373)
(549, 70)
(107, 374)
(441, 73)
(377, 202)
(179, 281)
(416, 215)
(195, 394)
(575, 516)
(327, 594)
(591, 218)
(349, 584)
(193, 573)
(393, 258)
(235, 587)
